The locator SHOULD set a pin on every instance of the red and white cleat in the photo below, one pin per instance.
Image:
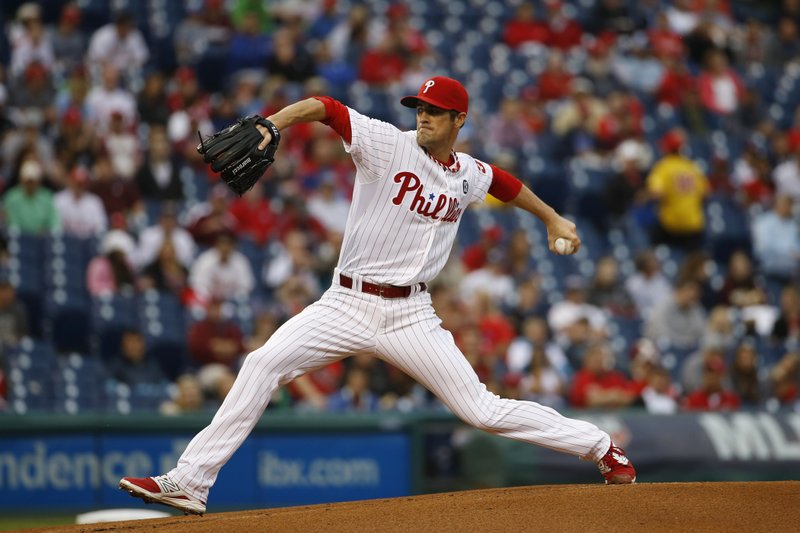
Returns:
(616, 468)
(161, 489)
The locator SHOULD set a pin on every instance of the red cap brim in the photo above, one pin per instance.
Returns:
(413, 101)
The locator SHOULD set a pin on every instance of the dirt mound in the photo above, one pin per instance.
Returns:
(753, 506)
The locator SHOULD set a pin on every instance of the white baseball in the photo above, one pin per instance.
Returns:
(563, 246)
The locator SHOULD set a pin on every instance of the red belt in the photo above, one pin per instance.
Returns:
(384, 291)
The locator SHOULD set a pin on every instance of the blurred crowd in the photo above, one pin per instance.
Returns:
(667, 129)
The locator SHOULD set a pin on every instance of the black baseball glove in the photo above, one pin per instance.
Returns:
(234, 153)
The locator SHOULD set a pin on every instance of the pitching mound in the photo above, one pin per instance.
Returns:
(754, 506)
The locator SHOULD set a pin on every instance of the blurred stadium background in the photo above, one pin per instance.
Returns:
(132, 283)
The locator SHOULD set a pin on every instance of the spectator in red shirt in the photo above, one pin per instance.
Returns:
(622, 121)
(665, 42)
(597, 384)
(215, 339)
(721, 89)
(565, 33)
(253, 216)
(676, 82)
(554, 81)
(713, 394)
(524, 28)
(475, 255)
(211, 218)
(384, 63)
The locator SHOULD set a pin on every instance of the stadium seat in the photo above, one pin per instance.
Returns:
(111, 316)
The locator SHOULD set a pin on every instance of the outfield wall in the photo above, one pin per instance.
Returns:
(74, 463)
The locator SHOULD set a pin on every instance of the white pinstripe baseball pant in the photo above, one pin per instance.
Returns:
(405, 332)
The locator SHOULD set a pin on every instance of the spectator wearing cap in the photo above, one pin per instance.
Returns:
(69, 42)
(81, 212)
(75, 140)
(158, 177)
(713, 394)
(597, 385)
(119, 238)
(524, 28)
(119, 44)
(152, 238)
(680, 320)
(29, 41)
(691, 370)
(565, 32)
(679, 188)
(28, 206)
(625, 188)
(33, 90)
(221, 271)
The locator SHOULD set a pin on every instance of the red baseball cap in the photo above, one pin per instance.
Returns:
(442, 92)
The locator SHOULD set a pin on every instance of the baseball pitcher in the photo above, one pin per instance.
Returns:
(410, 193)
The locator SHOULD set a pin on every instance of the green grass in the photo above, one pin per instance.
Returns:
(10, 522)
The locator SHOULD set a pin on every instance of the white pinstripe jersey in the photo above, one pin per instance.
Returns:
(406, 206)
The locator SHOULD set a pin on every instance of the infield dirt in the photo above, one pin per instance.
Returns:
(732, 506)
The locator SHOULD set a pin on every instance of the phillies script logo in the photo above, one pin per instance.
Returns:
(442, 207)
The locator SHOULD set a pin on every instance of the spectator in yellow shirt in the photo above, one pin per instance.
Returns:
(679, 187)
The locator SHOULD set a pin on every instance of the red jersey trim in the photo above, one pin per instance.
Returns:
(337, 117)
(505, 187)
